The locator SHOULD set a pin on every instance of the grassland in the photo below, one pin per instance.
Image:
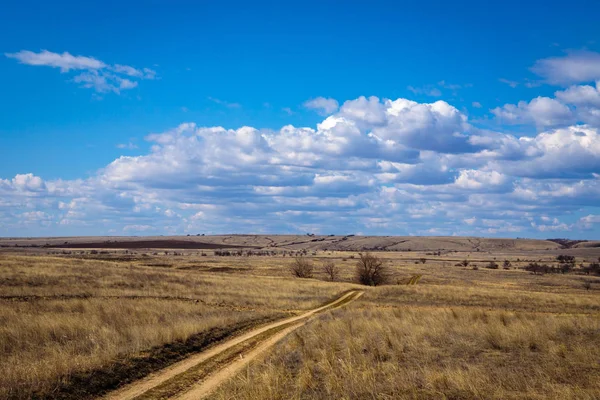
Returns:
(64, 317)
(75, 323)
(402, 352)
(458, 334)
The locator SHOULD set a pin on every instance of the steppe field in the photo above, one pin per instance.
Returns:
(225, 317)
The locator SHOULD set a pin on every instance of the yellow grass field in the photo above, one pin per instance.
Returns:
(64, 316)
(77, 324)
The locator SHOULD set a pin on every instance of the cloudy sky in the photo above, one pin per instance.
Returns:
(440, 118)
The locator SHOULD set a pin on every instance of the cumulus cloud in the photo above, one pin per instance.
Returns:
(96, 74)
(576, 104)
(487, 180)
(572, 152)
(324, 106)
(581, 95)
(375, 165)
(425, 126)
(574, 67)
(23, 183)
(542, 111)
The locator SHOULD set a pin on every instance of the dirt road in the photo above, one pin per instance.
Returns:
(265, 337)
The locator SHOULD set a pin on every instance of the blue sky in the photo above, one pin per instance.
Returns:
(331, 117)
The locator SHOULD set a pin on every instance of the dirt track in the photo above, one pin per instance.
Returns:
(205, 386)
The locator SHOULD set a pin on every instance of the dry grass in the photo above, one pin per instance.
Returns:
(92, 312)
(427, 353)
(493, 334)
(458, 333)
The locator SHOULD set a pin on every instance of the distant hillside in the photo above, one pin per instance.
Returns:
(298, 242)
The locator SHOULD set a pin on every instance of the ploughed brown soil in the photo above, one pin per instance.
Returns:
(146, 244)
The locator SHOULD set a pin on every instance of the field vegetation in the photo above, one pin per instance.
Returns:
(65, 320)
(431, 324)
(459, 334)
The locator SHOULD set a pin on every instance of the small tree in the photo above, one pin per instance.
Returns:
(593, 268)
(506, 264)
(423, 260)
(370, 270)
(492, 265)
(464, 263)
(537, 268)
(564, 259)
(567, 267)
(301, 268)
(331, 270)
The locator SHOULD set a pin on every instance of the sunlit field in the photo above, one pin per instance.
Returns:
(62, 317)
(77, 324)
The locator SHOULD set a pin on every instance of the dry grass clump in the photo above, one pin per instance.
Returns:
(362, 352)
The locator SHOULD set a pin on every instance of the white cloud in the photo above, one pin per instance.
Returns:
(452, 86)
(426, 90)
(566, 152)
(96, 74)
(589, 221)
(376, 165)
(576, 104)
(137, 228)
(64, 61)
(512, 84)
(476, 104)
(127, 146)
(542, 111)
(434, 90)
(424, 126)
(23, 183)
(325, 106)
(473, 179)
(225, 103)
(587, 96)
(575, 67)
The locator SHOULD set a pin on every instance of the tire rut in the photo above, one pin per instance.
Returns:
(170, 379)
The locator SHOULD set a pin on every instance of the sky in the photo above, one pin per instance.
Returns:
(377, 118)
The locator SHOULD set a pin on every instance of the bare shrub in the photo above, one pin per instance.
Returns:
(370, 270)
(331, 270)
(302, 268)
(593, 268)
(492, 265)
(506, 264)
(423, 260)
